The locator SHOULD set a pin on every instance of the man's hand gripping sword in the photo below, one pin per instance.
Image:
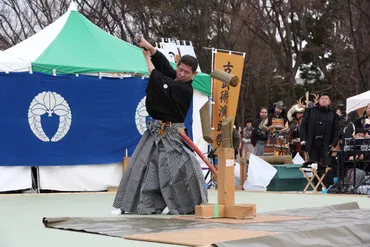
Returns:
(138, 39)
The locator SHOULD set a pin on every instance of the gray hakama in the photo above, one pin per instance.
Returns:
(162, 172)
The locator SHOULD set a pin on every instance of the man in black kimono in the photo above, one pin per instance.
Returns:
(163, 172)
(320, 130)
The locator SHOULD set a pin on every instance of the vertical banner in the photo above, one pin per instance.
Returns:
(225, 97)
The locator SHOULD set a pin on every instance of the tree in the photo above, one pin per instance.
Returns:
(326, 43)
(359, 24)
(275, 25)
(21, 19)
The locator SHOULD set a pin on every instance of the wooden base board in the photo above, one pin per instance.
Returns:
(112, 189)
(199, 237)
(236, 211)
(239, 187)
(260, 218)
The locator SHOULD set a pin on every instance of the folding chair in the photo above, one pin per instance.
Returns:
(311, 179)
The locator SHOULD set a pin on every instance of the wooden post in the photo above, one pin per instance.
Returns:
(225, 179)
(226, 207)
(243, 170)
(226, 157)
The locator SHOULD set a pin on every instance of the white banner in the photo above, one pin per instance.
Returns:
(174, 49)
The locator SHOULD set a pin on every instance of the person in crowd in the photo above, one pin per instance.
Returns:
(340, 111)
(362, 123)
(247, 138)
(259, 135)
(236, 142)
(277, 124)
(319, 130)
(295, 115)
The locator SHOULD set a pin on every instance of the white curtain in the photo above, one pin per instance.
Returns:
(15, 178)
(81, 177)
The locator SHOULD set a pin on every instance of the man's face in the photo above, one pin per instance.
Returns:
(184, 73)
(278, 110)
(249, 124)
(324, 101)
(263, 113)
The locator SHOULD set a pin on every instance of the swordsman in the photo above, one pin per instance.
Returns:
(162, 171)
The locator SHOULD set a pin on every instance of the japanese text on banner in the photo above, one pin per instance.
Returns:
(224, 96)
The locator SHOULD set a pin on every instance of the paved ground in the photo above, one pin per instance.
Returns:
(21, 215)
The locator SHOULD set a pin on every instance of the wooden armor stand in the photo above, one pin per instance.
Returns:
(226, 207)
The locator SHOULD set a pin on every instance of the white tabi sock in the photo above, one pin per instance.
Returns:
(116, 211)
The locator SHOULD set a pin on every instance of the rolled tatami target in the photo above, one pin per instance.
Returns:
(227, 78)
(205, 120)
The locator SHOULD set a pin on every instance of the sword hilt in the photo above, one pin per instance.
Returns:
(137, 40)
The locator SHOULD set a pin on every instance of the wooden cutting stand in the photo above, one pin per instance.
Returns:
(226, 207)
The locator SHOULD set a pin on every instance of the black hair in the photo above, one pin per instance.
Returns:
(263, 107)
(324, 94)
(260, 109)
(341, 107)
(190, 61)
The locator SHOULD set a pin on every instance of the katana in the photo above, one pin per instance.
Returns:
(196, 149)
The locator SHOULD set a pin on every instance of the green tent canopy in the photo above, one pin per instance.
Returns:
(81, 47)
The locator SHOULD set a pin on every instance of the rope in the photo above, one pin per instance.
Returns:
(66, 72)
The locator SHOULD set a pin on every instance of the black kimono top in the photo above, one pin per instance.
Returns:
(167, 99)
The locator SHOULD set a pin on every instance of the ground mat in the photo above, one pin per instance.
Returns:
(338, 225)
(199, 237)
(260, 218)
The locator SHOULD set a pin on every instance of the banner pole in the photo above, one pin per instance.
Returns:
(228, 51)
(212, 68)
(211, 99)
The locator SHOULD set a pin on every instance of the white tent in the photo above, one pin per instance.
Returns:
(41, 40)
(92, 177)
(358, 101)
(10, 63)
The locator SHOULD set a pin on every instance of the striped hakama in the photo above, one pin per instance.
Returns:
(161, 173)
